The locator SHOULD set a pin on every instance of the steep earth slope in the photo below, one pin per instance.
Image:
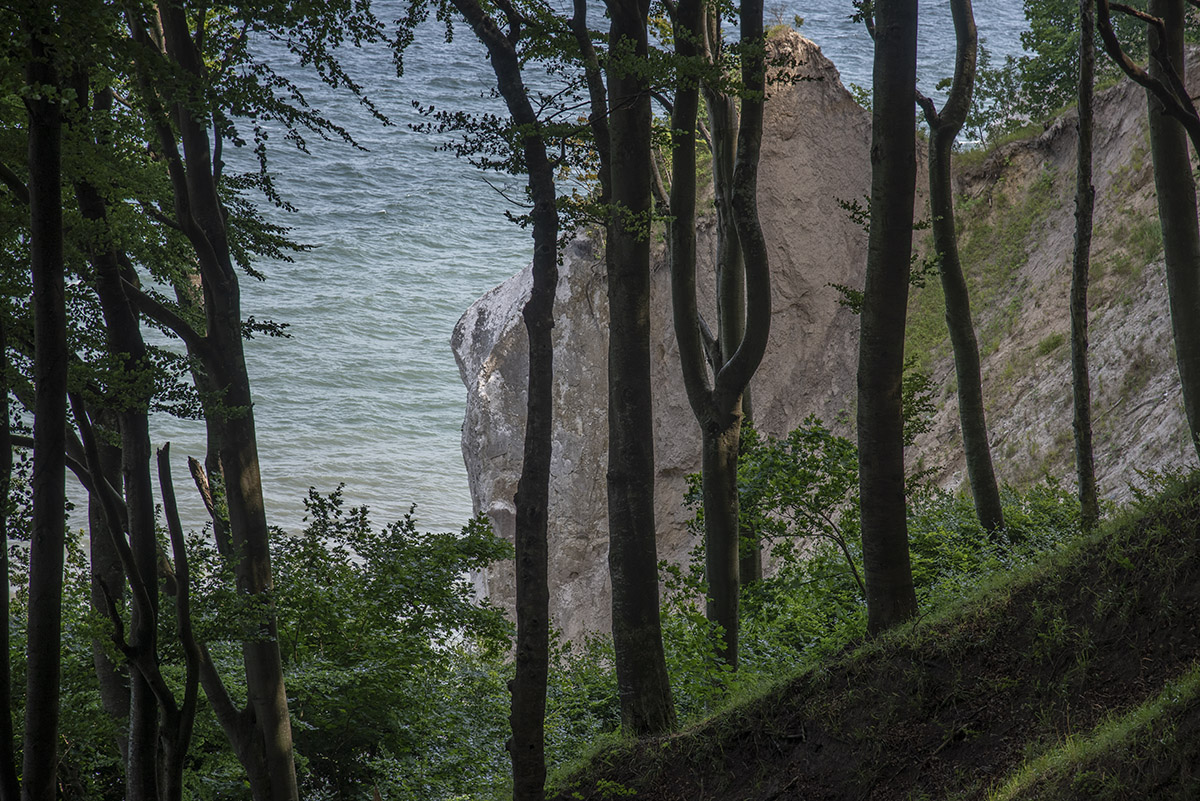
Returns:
(1016, 213)
(1020, 692)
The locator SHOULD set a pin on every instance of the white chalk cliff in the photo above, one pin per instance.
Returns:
(815, 152)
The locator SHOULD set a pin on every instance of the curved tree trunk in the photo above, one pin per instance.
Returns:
(642, 681)
(1085, 199)
(944, 127)
(891, 598)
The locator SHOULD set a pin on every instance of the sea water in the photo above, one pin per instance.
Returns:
(404, 237)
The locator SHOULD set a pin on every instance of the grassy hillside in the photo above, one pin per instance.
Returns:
(1073, 678)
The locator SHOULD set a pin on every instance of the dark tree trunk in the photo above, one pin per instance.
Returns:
(1177, 209)
(718, 407)
(527, 746)
(199, 211)
(890, 595)
(39, 777)
(1085, 198)
(943, 130)
(642, 681)
(126, 344)
(107, 580)
(10, 789)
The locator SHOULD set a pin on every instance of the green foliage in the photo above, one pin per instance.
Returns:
(799, 494)
(1034, 86)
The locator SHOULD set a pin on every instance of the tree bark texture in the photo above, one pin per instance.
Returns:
(527, 746)
(1176, 190)
(944, 127)
(891, 598)
(43, 665)
(1085, 199)
(642, 682)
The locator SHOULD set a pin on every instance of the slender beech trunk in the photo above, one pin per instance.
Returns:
(43, 663)
(1176, 188)
(133, 407)
(10, 789)
(944, 127)
(527, 746)
(642, 682)
(891, 598)
(1085, 199)
(199, 211)
(107, 585)
(718, 408)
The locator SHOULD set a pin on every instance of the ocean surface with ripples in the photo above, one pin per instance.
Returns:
(404, 237)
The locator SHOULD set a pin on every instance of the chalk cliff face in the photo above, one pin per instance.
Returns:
(1016, 211)
(815, 152)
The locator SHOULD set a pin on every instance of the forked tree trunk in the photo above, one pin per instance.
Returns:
(47, 540)
(1085, 198)
(717, 405)
(891, 598)
(642, 681)
(199, 211)
(125, 342)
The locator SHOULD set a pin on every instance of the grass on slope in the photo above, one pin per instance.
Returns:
(1065, 678)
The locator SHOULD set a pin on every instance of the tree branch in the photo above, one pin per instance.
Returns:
(14, 183)
(163, 314)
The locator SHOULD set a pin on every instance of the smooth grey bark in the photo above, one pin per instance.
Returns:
(1085, 199)
(528, 687)
(47, 538)
(944, 127)
(891, 598)
(642, 681)
(1176, 190)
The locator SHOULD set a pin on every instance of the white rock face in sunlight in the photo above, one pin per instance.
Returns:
(815, 152)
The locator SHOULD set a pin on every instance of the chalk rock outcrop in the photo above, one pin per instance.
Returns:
(815, 153)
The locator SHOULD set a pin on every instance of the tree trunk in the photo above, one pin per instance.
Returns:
(43, 663)
(890, 595)
(199, 210)
(642, 682)
(1085, 198)
(125, 343)
(1177, 211)
(527, 746)
(943, 130)
(107, 580)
